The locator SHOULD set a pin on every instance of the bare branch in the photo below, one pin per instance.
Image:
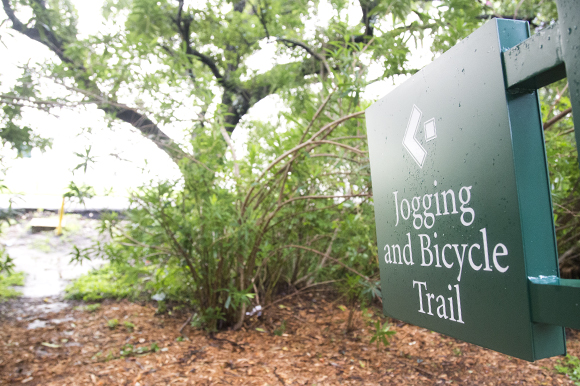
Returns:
(557, 118)
(311, 141)
(330, 258)
(319, 197)
(317, 114)
(9, 99)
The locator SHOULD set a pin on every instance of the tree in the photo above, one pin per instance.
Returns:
(201, 52)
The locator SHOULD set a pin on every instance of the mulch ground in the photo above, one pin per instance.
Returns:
(298, 342)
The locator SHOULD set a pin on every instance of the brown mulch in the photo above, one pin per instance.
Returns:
(303, 342)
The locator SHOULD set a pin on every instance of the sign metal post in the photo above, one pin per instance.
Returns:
(463, 209)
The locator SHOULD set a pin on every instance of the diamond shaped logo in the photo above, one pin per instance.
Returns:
(410, 141)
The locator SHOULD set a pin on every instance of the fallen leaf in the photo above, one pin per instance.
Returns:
(51, 345)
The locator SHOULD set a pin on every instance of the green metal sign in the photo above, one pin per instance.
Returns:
(462, 199)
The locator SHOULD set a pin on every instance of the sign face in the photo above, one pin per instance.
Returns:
(462, 199)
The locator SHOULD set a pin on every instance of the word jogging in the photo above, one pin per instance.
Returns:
(423, 212)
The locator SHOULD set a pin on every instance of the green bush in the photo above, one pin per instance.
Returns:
(231, 235)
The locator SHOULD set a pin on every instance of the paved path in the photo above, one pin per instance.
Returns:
(53, 203)
(45, 258)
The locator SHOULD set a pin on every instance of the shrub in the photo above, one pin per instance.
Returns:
(232, 233)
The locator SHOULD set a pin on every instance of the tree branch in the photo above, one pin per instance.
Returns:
(329, 257)
(295, 43)
(311, 141)
(183, 27)
(557, 118)
(138, 120)
(261, 18)
(50, 41)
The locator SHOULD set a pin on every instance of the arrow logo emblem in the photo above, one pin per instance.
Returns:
(411, 143)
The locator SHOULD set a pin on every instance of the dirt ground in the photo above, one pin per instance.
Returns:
(301, 341)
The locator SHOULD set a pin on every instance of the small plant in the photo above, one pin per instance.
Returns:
(112, 323)
(196, 321)
(93, 307)
(570, 366)
(130, 350)
(110, 356)
(457, 352)
(129, 326)
(127, 350)
(208, 319)
(6, 262)
(382, 334)
(351, 288)
(281, 329)
(161, 307)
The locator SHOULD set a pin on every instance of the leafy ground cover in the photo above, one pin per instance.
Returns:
(298, 341)
(109, 282)
(7, 283)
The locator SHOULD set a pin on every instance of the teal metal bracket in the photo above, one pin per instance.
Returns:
(549, 56)
(555, 301)
(536, 62)
(544, 58)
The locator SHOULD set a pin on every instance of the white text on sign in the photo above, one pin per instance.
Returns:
(477, 255)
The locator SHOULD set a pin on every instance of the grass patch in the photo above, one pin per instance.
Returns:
(113, 323)
(570, 366)
(7, 282)
(111, 281)
(89, 307)
(124, 281)
(43, 244)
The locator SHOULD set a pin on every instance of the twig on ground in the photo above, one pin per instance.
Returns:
(238, 345)
(185, 324)
(279, 377)
(298, 292)
(417, 368)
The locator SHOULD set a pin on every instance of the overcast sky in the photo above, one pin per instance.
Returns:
(124, 159)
